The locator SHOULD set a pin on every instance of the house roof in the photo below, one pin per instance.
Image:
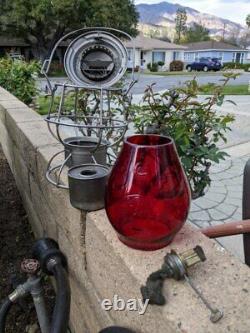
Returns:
(10, 42)
(14, 42)
(146, 43)
(212, 45)
(141, 42)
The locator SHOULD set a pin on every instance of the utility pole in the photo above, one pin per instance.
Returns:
(224, 31)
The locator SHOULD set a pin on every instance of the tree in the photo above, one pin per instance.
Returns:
(42, 22)
(180, 24)
(244, 39)
(233, 37)
(224, 31)
(248, 20)
(196, 33)
(154, 33)
(165, 39)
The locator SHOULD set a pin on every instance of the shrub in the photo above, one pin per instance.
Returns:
(230, 65)
(194, 125)
(176, 65)
(153, 67)
(19, 78)
(234, 65)
(161, 63)
(247, 67)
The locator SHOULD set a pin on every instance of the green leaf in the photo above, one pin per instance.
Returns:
(193, 124)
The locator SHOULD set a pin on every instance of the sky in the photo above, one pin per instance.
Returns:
(234, 10)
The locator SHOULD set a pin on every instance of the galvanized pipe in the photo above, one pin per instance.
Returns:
(37, 294)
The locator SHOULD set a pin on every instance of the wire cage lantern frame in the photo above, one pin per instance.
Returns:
(95, 62)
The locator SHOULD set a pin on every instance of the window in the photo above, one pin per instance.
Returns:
(220, 55)
(129, 55)
(188, 56)
(158, 56)
(238, 57)
(176, 55)
(243, 57)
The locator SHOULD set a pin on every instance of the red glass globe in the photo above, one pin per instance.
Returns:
(147, 197)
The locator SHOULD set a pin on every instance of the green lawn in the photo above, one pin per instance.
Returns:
(43, 104)
(241, 89)
(58, 73)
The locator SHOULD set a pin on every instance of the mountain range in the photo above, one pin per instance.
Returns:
(158, 20)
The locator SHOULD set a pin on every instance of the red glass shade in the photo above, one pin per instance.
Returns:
(147, 197)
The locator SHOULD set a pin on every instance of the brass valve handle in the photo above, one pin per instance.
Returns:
(175, 266)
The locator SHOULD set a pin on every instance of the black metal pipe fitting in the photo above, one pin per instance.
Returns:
(46, 250)
(4, 310)
(53, 262)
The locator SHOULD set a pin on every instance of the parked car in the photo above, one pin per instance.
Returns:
(205, 64)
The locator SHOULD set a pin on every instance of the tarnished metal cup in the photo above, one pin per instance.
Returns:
(83, 148)
(87, 186)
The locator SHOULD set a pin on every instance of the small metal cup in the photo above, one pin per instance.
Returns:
(87, 184)
(83, 148)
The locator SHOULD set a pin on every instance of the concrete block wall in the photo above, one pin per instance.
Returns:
(99, 265)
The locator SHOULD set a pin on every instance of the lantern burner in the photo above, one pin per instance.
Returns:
(97, 63)
(176, 266)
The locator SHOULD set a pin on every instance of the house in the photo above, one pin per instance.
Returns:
(213, 49)
(147, 50)
(151, 50)
(14, 47)
(248, 54)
